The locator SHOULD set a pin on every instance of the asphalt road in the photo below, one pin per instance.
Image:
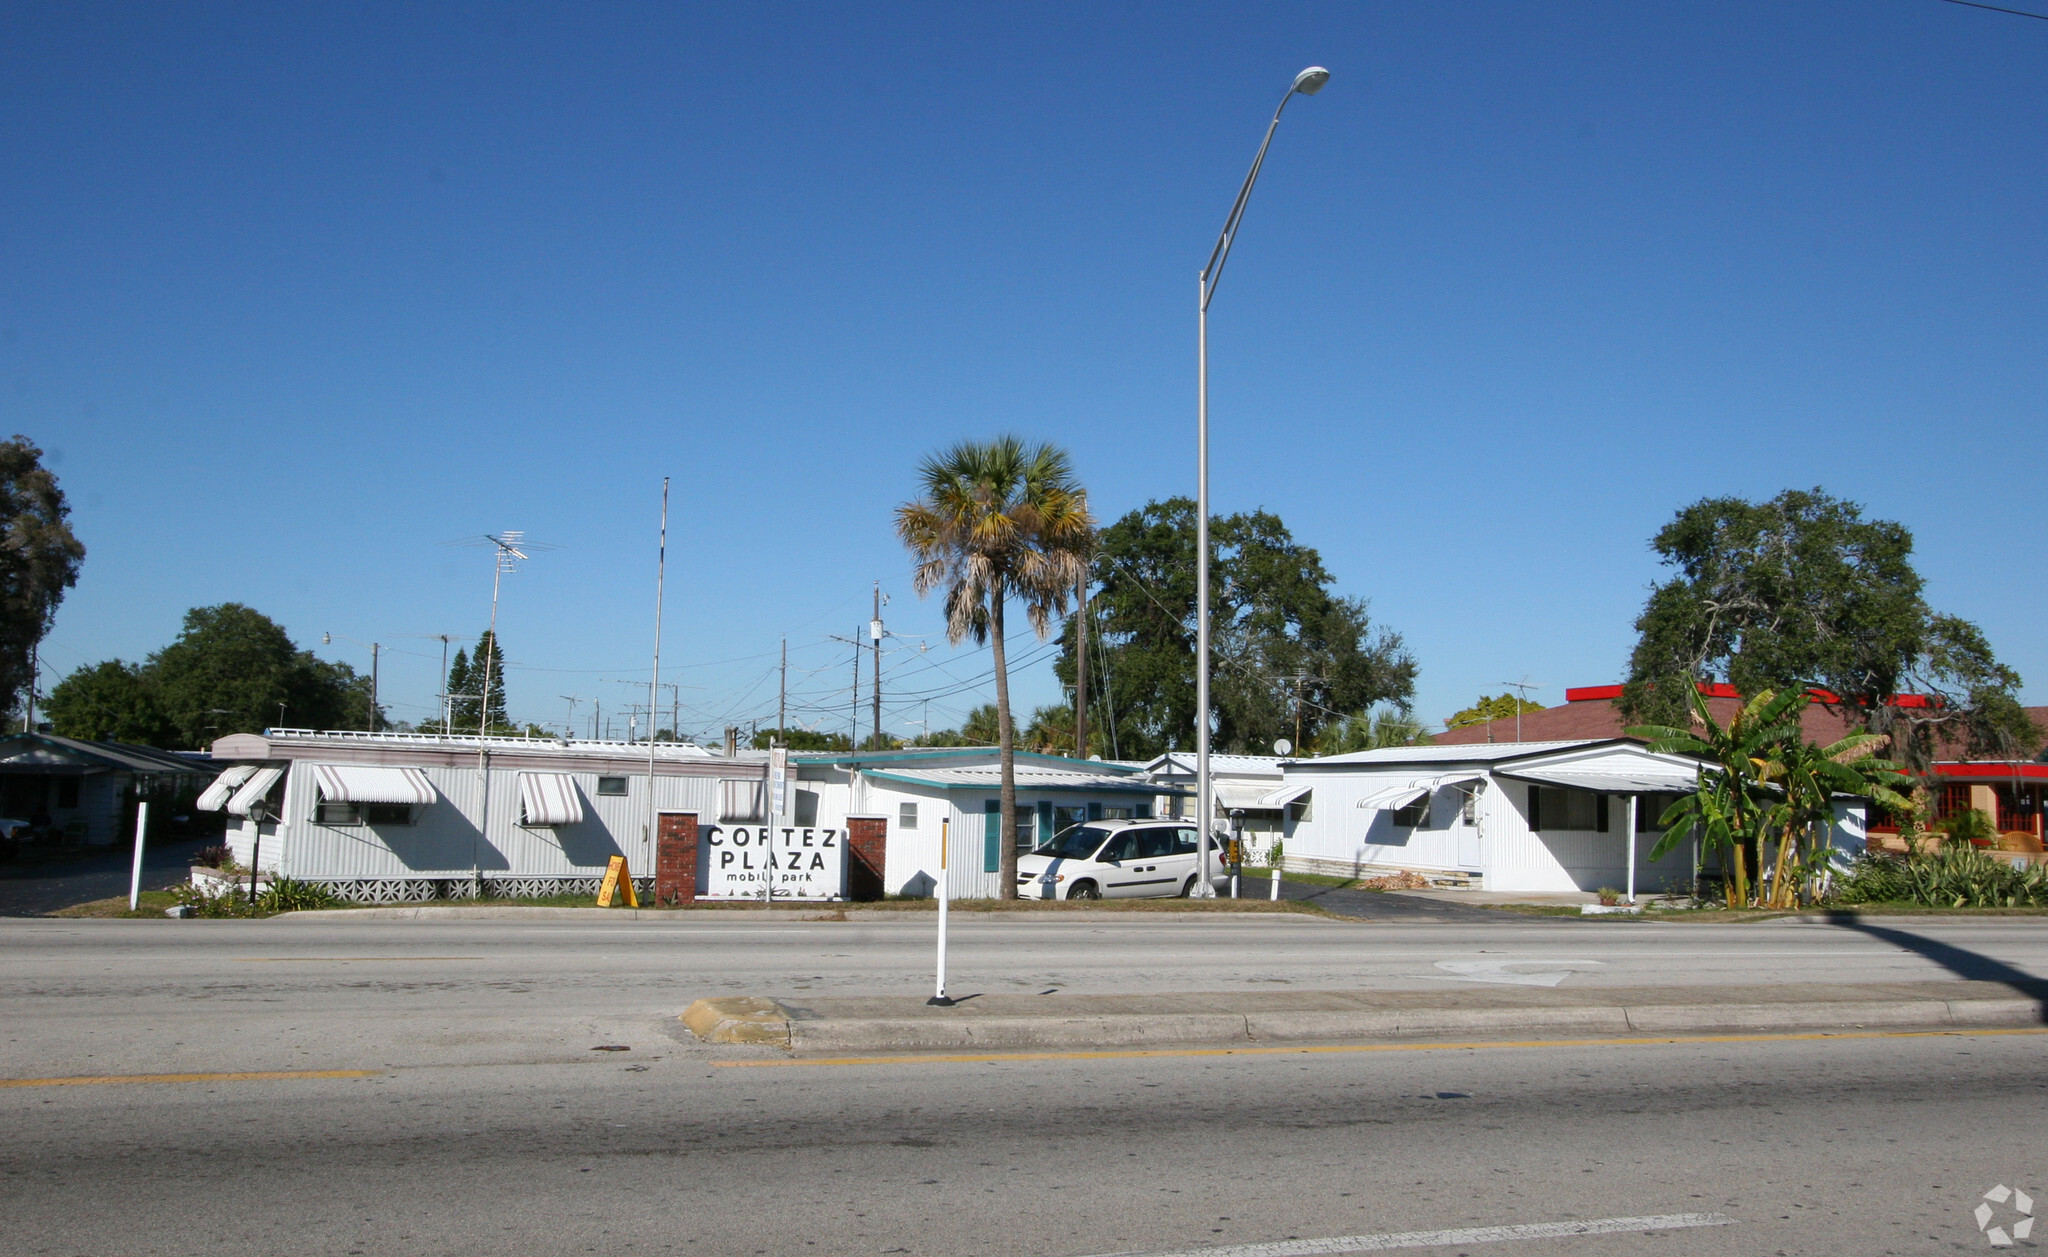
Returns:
(483, 1121)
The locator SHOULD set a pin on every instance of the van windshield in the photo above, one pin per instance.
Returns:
(1076, 844)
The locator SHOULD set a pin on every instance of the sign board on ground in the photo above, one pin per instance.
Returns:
(799, 861)
(616, 879)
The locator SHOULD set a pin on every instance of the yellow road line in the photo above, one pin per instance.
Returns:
(98, 1080)
(1141, 1053)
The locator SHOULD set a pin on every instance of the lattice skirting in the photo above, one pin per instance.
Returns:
(428, 889)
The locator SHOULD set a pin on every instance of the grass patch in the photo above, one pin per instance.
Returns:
(153, 904)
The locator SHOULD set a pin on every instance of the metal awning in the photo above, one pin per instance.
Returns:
(549, 799)
(364, 783)
(1238, 794)
(1647, 778)
(1396, 797)
(254, 790)
(216, 796)
(1283, 796)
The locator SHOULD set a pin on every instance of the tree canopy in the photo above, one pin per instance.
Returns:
(231, 670)
(39, 558)
(466, 678)
(1489, 709)
(1802, 591)
(1285, 645)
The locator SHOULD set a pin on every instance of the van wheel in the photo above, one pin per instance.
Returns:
(1084, 890)
(1187, 890)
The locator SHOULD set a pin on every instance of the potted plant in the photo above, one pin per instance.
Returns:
(1609, 897)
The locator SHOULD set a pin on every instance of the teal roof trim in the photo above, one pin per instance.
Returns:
(941, 754)
(1096, 787)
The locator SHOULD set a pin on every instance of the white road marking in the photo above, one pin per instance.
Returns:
(1445, 1239)
(1506, 972)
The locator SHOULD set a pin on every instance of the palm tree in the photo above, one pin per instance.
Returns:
(996, 521)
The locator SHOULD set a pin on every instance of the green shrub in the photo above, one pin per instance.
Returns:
(288, 894)
(1970, 827)
(1955, 876)
(233, 902)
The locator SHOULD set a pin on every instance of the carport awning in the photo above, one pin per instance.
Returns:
(1283, 796)
(254, 790)
(1237, 794)
(216, 796)
(549, 799)
(363, 783)
(1646, 779)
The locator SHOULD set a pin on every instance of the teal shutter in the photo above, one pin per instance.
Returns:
(1044, 834)
(1095, 811)
(992, 837)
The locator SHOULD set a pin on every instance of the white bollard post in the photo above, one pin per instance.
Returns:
(135, 874)
(945, 835)
(1276, 883)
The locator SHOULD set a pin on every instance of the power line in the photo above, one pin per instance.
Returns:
(1972, 4)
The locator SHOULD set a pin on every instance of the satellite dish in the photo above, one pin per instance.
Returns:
(1282, 747)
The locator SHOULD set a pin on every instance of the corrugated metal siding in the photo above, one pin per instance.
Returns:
(444, 840)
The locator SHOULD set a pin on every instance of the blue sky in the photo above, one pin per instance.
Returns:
(296, 295)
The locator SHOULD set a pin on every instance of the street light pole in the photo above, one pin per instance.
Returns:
(1308, 83)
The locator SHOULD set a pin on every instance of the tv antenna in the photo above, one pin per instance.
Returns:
(1521, 689)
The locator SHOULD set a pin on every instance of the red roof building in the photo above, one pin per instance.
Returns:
(2013, 792)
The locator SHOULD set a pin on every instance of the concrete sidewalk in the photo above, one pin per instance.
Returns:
(1070, 1022)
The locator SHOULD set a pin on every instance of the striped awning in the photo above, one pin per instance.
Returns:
(216, 796)
(1283, 796)
(1398, 797)
(254, 790)
(366, 783)
(549, 799)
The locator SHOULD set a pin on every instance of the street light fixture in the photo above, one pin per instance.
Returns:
(1308, 83)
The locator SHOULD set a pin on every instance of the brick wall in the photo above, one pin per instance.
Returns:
(867, 840)
(675, 858)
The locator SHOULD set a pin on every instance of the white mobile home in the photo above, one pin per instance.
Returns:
(394, 817)
(1527, 816)
(917, 792)
(1241, 784)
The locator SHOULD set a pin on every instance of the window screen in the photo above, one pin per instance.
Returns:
(336, 814)
(1415, 815)
(906, 816)
(611, 785)
(740, 800)
(1554, 808)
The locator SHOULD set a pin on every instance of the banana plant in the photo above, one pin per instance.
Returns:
(1732, 807)
(1807, 778)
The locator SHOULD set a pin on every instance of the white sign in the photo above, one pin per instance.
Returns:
(778, 782)
(800, 862)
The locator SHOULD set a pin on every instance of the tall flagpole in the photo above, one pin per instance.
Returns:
(654, 686)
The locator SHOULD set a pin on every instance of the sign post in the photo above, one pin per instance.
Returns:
(945, 832)
(135, 875)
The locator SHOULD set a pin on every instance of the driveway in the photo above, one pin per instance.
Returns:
(39, 889)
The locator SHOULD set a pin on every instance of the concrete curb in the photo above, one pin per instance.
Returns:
(763, 1021)
(509, 912)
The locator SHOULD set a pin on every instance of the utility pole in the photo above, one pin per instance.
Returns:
(1081, 666)
(782, 697)
(375, 651)
(875, 635)
(35, 662)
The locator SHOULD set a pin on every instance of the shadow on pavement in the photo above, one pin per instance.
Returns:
(38, 890)
(1373, 905)
(1960, 961)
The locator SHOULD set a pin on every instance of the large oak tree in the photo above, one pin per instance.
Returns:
(1802, 591)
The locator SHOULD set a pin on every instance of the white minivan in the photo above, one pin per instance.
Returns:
(1117, 860)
